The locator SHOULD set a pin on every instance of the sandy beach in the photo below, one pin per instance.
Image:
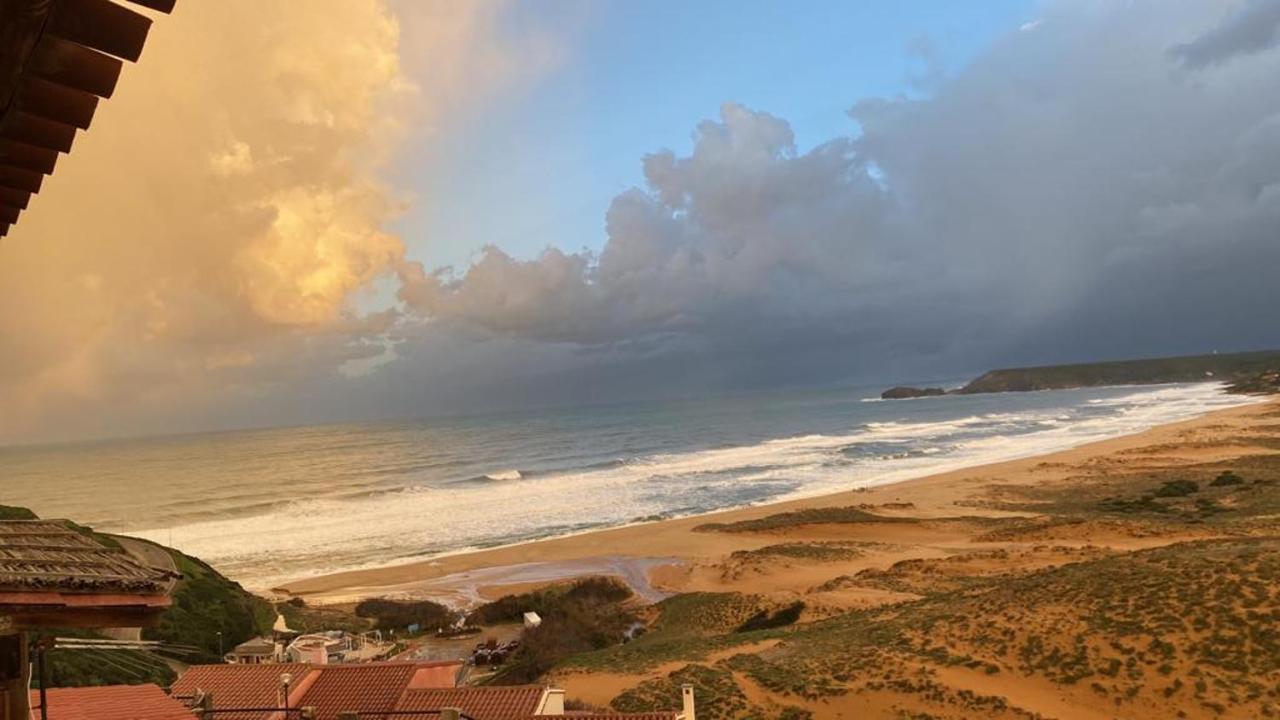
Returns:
(674, 557)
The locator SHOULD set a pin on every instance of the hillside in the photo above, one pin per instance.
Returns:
(1193, 368)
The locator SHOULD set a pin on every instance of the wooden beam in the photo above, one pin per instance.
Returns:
(16, 198)
(85, 618)
(19, 179)
(57, 102)
(101, 25)
(164, 6)
(15, 674)
(75, 66)
(28, 157)
(41, 132)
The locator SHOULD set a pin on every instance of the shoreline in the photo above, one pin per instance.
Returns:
(937, 494)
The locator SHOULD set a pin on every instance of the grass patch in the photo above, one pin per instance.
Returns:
(809, 516)
(821, 552)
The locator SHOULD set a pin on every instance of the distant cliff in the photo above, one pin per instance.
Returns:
(1249, 372)
(902, 392)
(1193, 368)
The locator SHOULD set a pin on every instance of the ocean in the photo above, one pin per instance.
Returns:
(265, 506)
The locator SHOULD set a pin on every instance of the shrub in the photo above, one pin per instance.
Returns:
(583, 617)
(764, 620)
(1177, 488)
(512, 608)
(389, 614)
(1227, 478)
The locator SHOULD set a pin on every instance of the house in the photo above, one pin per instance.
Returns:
(338, 692)
(330, 689)
(53, 575)
(255, 651)
(111, 702)
(532, 620)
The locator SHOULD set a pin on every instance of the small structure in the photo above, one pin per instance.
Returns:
(281, 632)
(53, 575)
(532, 620)
(316, 649)
(256, 651)
(111, 702)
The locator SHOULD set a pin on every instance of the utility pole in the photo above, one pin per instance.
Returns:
(44, 645)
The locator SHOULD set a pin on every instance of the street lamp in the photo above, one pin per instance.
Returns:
(285, 679)
(220, 654)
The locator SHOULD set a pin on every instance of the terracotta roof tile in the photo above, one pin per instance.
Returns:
(239, 686)
(482, 703)
(330, 689)
(111, 702)
(363, 688)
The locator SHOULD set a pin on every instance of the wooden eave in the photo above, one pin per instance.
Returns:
(57, 58)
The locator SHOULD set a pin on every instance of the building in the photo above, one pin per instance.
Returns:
(330, 689)
(111, 702)
(53, 575)
(57, 58)
(336, 692)
(255, 651)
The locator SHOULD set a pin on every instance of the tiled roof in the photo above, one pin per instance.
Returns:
(111, 702)
(366, 688)
(47, 555)
(516, 702)
(330, 689)
(239, 686)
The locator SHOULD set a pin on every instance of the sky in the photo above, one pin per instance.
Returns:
(362, 209)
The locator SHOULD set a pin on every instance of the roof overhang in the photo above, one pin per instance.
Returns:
(57, 58)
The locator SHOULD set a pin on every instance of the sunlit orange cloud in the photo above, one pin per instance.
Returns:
(225, 206)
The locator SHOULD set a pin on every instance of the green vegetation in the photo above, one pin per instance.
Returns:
(1226, 478)
(819, 551)
(1191, 368)
(69, 667)
(303, 618)
(808, 516)
(765, 619)
(703, 613)
(1266, 382)
(584, 616)
(545, 601)
(13, 512)
(1177, 488)
(719, 696)
(398, 615)
(205, 603)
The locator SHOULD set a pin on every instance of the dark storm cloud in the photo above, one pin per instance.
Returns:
(1070, 194)
(1250, 28)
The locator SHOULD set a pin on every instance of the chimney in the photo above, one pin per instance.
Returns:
(686, 703)
(553, 702)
